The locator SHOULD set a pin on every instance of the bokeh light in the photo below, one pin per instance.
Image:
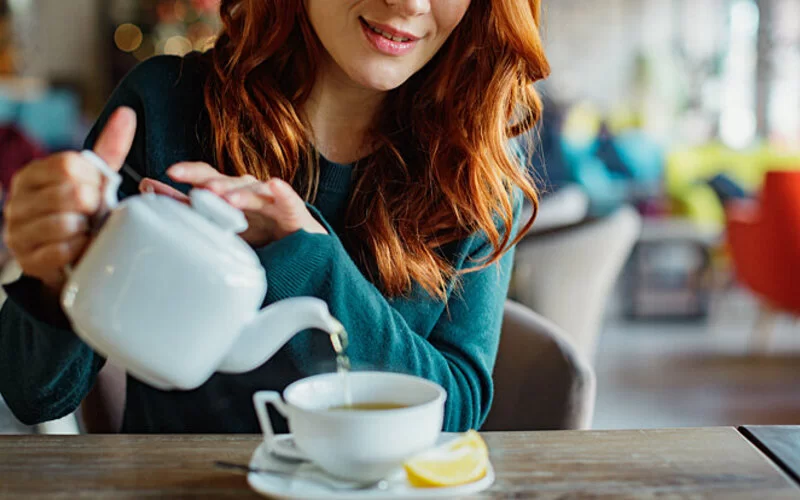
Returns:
(181, 10)
(178, 46)
(128, 37)
(146, 50)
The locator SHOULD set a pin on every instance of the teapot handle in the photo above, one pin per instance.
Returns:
(112, 178)
(110, 199)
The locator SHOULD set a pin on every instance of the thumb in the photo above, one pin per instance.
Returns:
(116, 139)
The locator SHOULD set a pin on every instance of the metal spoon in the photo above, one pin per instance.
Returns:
(381, 484)
(133, 174)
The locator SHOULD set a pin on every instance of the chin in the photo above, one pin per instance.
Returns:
(380, 79)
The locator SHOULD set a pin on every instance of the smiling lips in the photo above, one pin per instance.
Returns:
(388, 40)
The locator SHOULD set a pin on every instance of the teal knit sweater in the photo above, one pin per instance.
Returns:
(45, 370)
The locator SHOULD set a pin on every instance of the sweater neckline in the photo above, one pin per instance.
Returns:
(336, 177)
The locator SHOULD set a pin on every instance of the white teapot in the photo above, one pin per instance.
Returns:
(171, 294)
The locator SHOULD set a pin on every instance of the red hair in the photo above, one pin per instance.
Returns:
(442, 169)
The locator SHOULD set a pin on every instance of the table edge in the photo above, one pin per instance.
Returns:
(775, 459)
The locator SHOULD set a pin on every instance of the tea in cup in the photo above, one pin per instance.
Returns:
(390, 418)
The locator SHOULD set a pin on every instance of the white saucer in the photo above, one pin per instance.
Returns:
(305, 486)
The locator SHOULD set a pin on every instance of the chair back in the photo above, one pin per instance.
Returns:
(568, 275)
(541, 381)
(780, 202)
(764, 240)
(102, 409)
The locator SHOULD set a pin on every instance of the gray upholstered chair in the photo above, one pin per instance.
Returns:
(567, 276)
(541, 381)
(102, 409)
(10, 272)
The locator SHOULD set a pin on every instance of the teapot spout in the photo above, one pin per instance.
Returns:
(273, 327)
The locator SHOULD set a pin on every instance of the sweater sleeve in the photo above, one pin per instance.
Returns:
(458, 352)
(45, 369)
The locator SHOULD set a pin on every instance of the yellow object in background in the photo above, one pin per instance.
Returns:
(582, 123)
(687, 171)
(461, 461)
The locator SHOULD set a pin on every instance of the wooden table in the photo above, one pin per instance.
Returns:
(781, 443)
(681, 463)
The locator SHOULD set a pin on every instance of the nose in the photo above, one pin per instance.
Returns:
(410, 7)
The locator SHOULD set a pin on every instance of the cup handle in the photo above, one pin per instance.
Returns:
(260, 401)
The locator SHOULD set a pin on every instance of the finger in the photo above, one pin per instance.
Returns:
(224, 185)
(293, 210)
(56, 169)
(116, 139)
(262, 195)
(250, 200)
(286, 198)
(158, 187)
(195, 173)
(263, 198)
(47, 260)
(47, 230)
(276, 200)
(65, 197)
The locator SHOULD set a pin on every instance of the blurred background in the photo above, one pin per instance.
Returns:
(668, 242)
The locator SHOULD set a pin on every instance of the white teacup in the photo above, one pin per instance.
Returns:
(358, 445)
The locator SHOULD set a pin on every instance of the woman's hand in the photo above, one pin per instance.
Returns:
(273, 209)
(52, 200)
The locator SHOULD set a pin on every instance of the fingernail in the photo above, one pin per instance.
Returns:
(264, 189)
(128, 111)
(175, 170)
(276, 185)
(234, 198)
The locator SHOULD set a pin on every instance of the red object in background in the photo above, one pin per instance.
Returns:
(764, 241)
(16, 151)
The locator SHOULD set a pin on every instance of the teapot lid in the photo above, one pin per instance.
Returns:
(209, 226)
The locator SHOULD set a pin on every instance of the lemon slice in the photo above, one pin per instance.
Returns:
(461, 461)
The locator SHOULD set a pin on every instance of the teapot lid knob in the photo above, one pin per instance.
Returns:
(218, 211)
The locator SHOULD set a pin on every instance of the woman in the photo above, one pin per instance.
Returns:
(366, 141)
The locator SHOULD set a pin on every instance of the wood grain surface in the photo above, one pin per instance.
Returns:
(679, 463)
